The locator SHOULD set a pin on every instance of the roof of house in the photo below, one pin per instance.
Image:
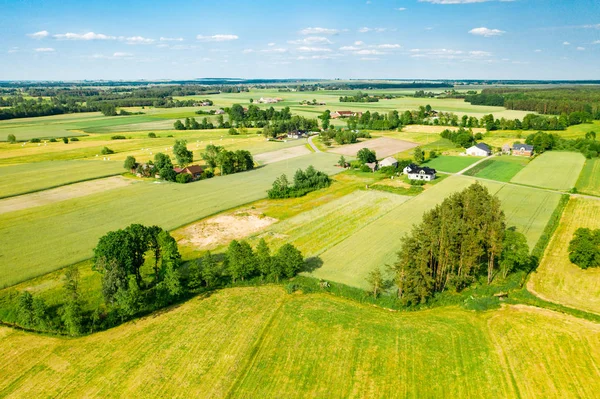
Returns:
(525, 147)
(372, 165)
(193, 169)
(389, 161)
(412, 168)
(482, 146)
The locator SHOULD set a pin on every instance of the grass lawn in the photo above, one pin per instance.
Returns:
(376, 244)
(501, 168)
(557, 279)
(261, 342)
(589, 179)
(66, 232)
(553, 169)
(24, 178)
(451, 164)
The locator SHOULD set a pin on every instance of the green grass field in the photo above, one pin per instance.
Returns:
(451, 164)
(557, 279)
(65, 232)
(376, 244)
(24, 178)
(555, 170)
(502, 168)
(261, 342)
(589, 179)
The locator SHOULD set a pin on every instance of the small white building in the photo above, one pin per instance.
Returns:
(415, 172)
(479, 150)
(389, 161)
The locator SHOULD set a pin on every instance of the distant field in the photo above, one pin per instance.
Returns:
(65, 232)
(376, 244)
(555, 170)
(19, 179)
(261, 342)
(451, 164)
(502, 168)
(383, 147)
(557, 279)
(589, 180)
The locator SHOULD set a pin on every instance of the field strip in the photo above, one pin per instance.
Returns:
(281, 155)
(62, 193)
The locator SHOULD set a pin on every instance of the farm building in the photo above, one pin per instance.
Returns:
(268, 100)
(344, 114)
(479, 150)
(372, 166)
(525, 150)
(506, 149)
(415, 172)
(219, 112)
(389, 161)
(194, 170)
(297, 134)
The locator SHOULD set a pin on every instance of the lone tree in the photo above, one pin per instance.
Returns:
(376, 282)
(11, 139)
(584, 248)
(365, 155)
(129, 163)
(183, 156)
(419, 155)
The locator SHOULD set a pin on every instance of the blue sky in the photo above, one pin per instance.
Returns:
(421, 39)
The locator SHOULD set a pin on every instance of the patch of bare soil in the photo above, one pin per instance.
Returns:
(383, 147)
(213, 232)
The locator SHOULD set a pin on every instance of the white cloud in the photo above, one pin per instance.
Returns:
(274, 50)
(315, 57)
(450, 54)
(368, 52)
(13, 50)
(271, 44)
(39, 35)
(566, 44)
(171, 39)
(596, 42)
(400, 9)
(486, 32)
(580, 48)
(308, 49)
(597, 26)
(311, 40)
(83, 36)
(44, 50)
(119, 54)
(319, 31)
(137, 40)
(366, 29)
(248, 51)
(369, 58)
(389, 46)
(359, 43)
(537, 51)
(479, 53)
(349, 48)
(217, 38)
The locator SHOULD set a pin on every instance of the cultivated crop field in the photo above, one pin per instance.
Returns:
(376, 244)
(502, 168)
(67, 231)
(26, 178)
(261, 342)
(589, 180)
(555, 170)
(557, 279)
(451, 164)
(383, 147)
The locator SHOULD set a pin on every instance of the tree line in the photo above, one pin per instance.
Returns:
(304, 182)
(542, 141)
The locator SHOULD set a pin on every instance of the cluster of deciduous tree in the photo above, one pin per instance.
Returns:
(192, 124)
(272, 121)
(459, 240)
(461, 136)
(242, 263)
(342, 136)
(359, 97)
(375, 121)
(304, 182)
(543, 101)
(228, 162)
(584, 248)
(542, 141)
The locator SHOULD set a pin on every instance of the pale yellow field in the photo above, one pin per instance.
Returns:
(557, 279)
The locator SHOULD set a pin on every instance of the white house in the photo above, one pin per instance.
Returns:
(415, 172)
(389, 161)
(479, 150)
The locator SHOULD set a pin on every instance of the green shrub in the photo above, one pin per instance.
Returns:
(152, 135)
(35, 140)
(53, 140)
(183, 178)
(118, 137)
(12, 139)
(65, 140)
(74, 139)
(106, 151)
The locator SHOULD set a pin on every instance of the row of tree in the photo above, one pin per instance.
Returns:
(304, 182)
(193, 124)
(542, 141)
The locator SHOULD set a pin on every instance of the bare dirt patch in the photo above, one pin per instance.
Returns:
(435, 129)
(383, 147)
(219, 230)
(70, 191)
(281, 155)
